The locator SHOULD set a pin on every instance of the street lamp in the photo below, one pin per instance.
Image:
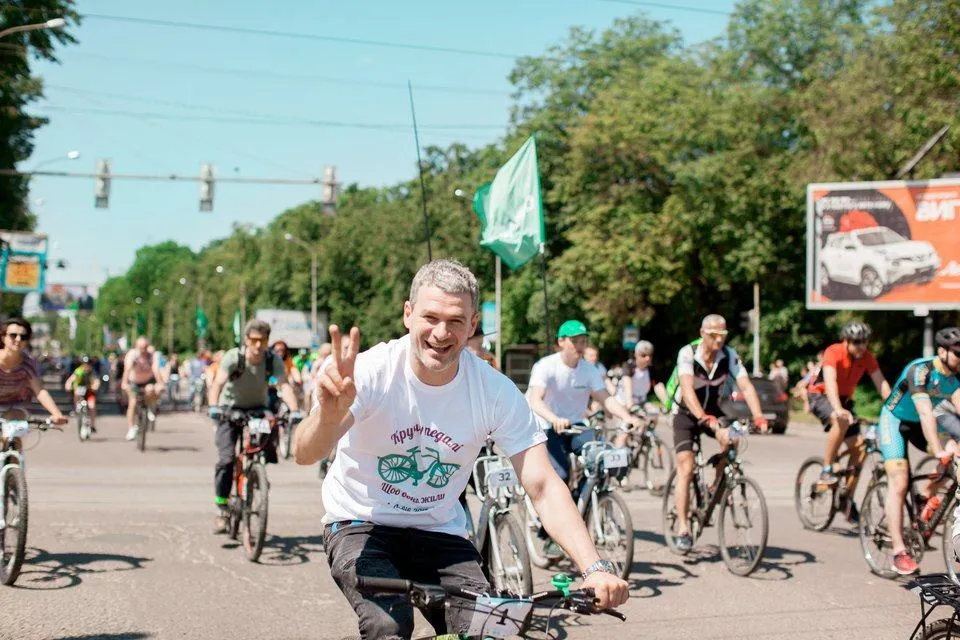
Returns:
(314, 333)
(72, 155)
(55, 23)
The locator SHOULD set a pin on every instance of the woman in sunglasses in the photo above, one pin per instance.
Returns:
(20, 374)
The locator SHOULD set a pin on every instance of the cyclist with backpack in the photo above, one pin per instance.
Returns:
(241, 383)
(706, 371)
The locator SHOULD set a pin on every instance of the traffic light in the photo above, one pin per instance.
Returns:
(101, 190)
(206, 187)
(748, 321)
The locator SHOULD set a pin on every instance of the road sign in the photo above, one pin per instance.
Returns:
(631, 336)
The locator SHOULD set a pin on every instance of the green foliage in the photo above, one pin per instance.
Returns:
(674, 178)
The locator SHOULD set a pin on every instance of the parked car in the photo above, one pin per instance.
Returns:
(875, 259)
(774, 403)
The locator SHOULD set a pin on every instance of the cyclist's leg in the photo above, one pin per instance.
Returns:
(131, 405)
(858, 454)
(377, 551)
(92, 409)
(452, 562)
(893, 447)
(684, 432)
(226, 440)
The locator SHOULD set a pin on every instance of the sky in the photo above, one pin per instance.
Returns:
(158, 99)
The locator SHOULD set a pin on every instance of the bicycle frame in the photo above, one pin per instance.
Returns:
(493, 506)
(731, 471)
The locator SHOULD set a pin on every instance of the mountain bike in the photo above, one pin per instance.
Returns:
(601, 506)
(249, 500)
(816, 503)
(13, 501)
(144, 421)
(936, 590)
(743, 508)
(82, 410)
(396, 468)
(648, 454)
(507, 616)
(498, 534)
(875, 541)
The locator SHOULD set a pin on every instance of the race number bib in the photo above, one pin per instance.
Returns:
(258, 425)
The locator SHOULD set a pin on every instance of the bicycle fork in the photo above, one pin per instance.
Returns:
(7, 468)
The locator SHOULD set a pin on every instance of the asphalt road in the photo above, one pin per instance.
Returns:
(120, 547)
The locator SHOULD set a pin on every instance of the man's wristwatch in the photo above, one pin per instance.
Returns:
(600, 565)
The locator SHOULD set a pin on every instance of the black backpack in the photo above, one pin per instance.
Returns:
(242, 364)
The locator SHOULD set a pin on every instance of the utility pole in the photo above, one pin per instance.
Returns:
(756, 329)
(170, 327)
(243, 307)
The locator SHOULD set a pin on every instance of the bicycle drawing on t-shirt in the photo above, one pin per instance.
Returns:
(396, 468)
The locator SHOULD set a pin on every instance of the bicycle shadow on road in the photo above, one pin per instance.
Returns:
(131, 635)
(173, 448)
(661, 574)
(45, 571)
(291, 550)
(776, 564)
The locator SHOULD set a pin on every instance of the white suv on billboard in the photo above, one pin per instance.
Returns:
(875, 259)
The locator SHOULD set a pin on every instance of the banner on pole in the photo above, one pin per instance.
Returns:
(23, 261)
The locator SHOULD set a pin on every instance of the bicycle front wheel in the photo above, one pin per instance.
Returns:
(655, 466)
(255, 507)
(83, 431)
(142, 426)
(13, 537)
(743, 526)
(531, 534)
(875, 539)
(611, 529)
(814, 502)
(513, 572)
(671, 515)
(941, 630)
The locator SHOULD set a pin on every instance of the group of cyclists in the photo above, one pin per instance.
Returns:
(437, 390)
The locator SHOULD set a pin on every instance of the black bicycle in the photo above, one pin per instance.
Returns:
(937, 590)
(816, 503)
(249, 500)
(652, 459)
(13, 500)
(144, 420)
(875, 541)
(743, 523)
(502, 616)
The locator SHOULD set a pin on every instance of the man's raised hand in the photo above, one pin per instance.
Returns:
(335, 388)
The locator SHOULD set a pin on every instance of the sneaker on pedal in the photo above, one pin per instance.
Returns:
(132, 433)
(684, 542)
(222, 522)
(828, 478)
(904, 564)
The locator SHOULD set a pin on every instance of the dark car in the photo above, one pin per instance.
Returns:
(774, 402)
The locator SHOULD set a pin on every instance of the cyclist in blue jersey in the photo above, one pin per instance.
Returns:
(907, 414)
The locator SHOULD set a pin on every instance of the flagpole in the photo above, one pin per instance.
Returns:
(499, 349)
(423, 188)
(546, 306)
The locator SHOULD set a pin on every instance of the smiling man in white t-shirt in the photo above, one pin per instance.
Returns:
(408, 419)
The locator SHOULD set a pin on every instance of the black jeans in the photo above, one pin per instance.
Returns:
(226, 438)
(392, 552)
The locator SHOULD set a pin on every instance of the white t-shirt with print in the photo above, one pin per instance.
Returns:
(411, 449)
(567, 389)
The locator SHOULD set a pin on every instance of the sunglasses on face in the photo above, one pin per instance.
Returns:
(17, 336)
(858, 343)
(719, 333)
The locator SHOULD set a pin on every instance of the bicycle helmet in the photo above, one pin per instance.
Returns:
(948, 338)
(855, 331)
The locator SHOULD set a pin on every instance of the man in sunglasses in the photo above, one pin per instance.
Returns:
(706, 372)
(830, 396)
(907, 415)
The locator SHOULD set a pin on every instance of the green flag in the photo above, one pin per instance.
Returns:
(511, 210)
(236, 327)
(202, 323)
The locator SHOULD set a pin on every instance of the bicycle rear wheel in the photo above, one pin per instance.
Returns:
(670, 514)
(13, 537)
(611, 529)
(655, 466)
(513, 573)
(743, 526)
(814, 503)
(941, 630)
(255, 507)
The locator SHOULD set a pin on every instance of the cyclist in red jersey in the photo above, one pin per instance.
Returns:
(830, 396)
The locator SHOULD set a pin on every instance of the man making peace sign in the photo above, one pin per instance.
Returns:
(408, 419)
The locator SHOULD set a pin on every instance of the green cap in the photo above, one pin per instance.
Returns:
(572, 328)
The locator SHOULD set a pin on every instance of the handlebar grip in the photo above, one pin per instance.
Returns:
(615, 614)
(392, 585)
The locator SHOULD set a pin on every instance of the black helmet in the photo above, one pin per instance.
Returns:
(948, 338)
(855, 331)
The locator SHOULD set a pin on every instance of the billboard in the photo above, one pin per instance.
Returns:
(58, 296)
(883, 245)
(23, 261)
(293, 327)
